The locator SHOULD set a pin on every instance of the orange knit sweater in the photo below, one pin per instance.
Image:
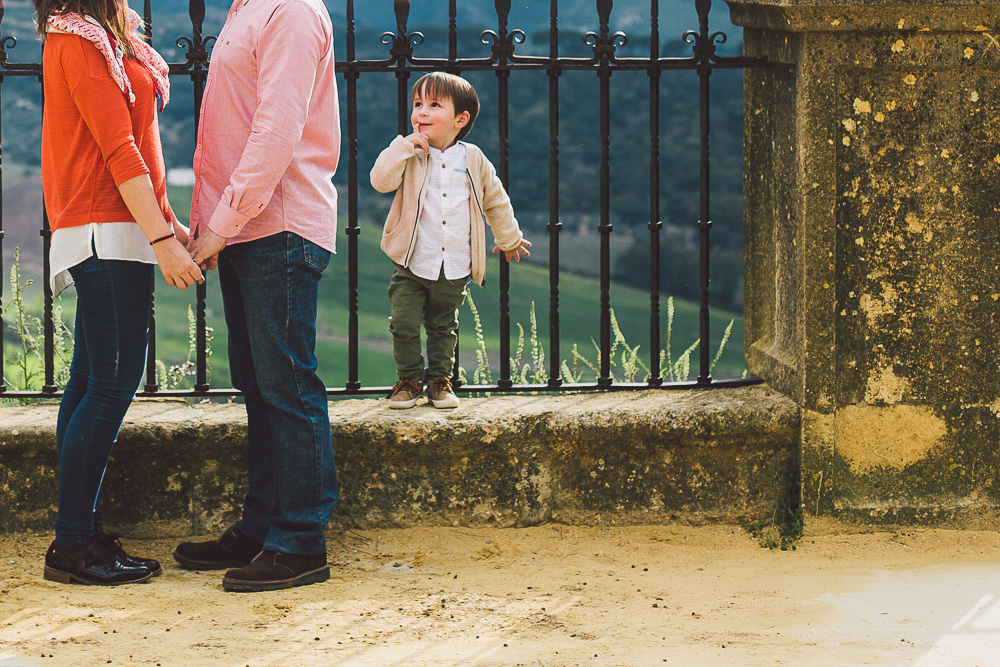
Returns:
(91, 140)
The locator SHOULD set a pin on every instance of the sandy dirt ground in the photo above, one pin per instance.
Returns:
(552, 595)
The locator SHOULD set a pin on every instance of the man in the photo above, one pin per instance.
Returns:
(264, 210)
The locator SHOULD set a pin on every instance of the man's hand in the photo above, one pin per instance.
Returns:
(205, 249)
(419, 139)
(515, 254)
(177, 267)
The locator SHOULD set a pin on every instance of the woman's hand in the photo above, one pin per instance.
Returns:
(175, 263)
(181, 232)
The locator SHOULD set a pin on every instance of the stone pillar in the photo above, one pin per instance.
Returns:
(872, 243)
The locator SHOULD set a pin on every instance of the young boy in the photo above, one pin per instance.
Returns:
(445, 190)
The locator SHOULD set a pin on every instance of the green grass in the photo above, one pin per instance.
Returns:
(579, 311)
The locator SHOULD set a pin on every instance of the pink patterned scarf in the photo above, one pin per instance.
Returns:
(88, 28)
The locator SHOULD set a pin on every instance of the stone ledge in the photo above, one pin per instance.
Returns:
(589, 459)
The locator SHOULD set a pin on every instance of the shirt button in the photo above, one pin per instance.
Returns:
(444, 222)
(444, 194)
(442, 249)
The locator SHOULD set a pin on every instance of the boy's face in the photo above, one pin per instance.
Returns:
(436, 119)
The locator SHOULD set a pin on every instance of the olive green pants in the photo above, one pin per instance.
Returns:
(434, 304)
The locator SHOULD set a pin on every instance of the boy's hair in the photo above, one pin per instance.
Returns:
(112, 15)
(458, 90)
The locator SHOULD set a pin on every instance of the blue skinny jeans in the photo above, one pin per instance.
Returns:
(112, 331)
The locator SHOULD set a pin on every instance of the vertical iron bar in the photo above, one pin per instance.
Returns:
(452, 38)
(705, 220)
(46, 234)
(554, 226)
(50, 385)
(196, 10)
(604, 73)
(452, 68)
(655, 225)
(151, 385)
(401, 49)
(353, 230)
(503, 76)
(3, 384)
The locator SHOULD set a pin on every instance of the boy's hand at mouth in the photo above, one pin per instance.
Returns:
(419, 139)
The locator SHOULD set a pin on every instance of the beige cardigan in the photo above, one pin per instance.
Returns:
(401, 167)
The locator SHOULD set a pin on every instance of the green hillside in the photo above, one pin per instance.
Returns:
(578, 306)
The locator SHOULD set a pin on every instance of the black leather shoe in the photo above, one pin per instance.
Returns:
(113, 544)
(233, 549)
(93, 564)
(271, 571)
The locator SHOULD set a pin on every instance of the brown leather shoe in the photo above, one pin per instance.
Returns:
(271, 571)
(232, 549)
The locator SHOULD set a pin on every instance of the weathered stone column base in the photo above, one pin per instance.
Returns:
(871, 202)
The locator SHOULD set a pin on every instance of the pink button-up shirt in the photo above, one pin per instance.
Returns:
(269, 132)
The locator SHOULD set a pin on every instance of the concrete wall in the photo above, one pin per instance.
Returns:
(595, 459)
(872, 184)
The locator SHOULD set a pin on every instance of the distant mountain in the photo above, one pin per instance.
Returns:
(528, 15)
(531, 16)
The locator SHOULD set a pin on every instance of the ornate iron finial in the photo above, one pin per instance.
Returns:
(654, 28)
(452, 30)
(503, 41)
(350, 30)
(147, 21)
(197, 47)
(605, 42)
(402, 43)
(702, 42)
(703, 7)
(604, 14)
(402, 10)
(196, 10)
(554, 29)
(503, 14)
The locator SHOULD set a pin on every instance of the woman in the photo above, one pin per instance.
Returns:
(105, 194)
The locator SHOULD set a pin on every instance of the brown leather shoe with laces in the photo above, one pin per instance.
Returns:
(405, 393)
(232, 549)
(271, 571)
(441, 394)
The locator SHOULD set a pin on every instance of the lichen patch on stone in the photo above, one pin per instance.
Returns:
(871, 437)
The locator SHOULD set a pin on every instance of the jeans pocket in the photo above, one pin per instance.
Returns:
(315, 255)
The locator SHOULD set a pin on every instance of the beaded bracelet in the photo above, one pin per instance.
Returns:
(162, 238)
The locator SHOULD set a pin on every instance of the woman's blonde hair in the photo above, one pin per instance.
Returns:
(111, 14)
(458, 90)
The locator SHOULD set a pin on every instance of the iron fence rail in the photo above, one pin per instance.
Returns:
(503, 59)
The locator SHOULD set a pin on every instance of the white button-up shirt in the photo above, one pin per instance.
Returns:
(444, 235)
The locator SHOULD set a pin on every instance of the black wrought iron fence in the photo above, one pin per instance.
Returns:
(501, 57)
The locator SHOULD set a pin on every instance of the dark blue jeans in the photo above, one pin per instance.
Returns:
(112, 330)
(270, 290)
